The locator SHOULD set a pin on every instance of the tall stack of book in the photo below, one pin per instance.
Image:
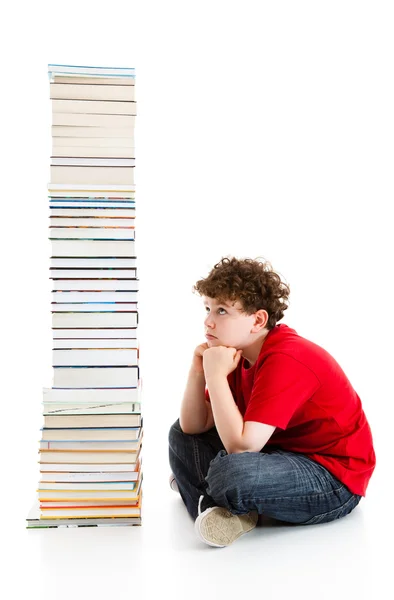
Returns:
(90, 448)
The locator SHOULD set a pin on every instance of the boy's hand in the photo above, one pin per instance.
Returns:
(220, 360)
(197, 357)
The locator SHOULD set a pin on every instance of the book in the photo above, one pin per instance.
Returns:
(100, 487)
(93, 263)
(92, 151)
(78, 78)
(95, 357)
(93, 248)
(87, 456)
(92, 408)
(110, 307)
(91, 433)
(101, 190)
(62, 141)
(130, 511)
(62, 119)
(80, 131)
(91, 334)
(90, 445)
(95, 476)
(93, 233)
(101, 285)
(91, 212)
(52, 497)
(56, 69)
(96, 295)
(87, 106)
(85, 467)
(92, 162)
(89, 91)
(68, 204)
(94, 319)
(84, 174)
(35, 522)
(74, 291)
(67, 344)
(92, 377)
(63, 274)
(84, 421)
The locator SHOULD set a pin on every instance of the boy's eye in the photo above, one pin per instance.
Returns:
(219, 309)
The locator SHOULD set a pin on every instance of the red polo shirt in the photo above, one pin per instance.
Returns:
(299, 388)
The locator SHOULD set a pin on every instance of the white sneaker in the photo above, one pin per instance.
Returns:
(218, 527)
(173, 483)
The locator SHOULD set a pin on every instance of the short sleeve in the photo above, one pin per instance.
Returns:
(281, 385)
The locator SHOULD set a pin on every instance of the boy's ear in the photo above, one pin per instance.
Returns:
(261, 320)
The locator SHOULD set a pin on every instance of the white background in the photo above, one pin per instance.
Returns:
(264, 129)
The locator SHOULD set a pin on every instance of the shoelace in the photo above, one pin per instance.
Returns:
(199, 504)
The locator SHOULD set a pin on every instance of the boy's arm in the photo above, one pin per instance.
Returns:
(236, 435)
(196, 413)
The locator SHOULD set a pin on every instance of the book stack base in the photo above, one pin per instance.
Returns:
(90, 451)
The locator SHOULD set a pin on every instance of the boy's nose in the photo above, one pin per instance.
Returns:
(209, 322)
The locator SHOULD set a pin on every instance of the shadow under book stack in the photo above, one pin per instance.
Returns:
(90, 450)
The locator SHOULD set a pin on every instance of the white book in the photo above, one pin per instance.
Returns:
(105, 274)
(92, 377)
(92, 334)
(105, 263)
(127, 289)
(94, 296)
(96, 343)
(88, 395)
(94, 319)
(80, 91)
(87, 456)
(92, 162)
(113, 208)
(92, 152)
(95, 357)
(94, 120)
(78, 78)
(100, 189)
(93, 444)
(88, 106)
(84, 468)
(89, 307)
(93, 248)
(112, 133)
(92, 233)
(93, 142)
(113, 434)
(103, 486)
(95, 421)
(55, 69)
(64, 477)
(83, 174)
(57, 513)
(92, 212)
(92, 408)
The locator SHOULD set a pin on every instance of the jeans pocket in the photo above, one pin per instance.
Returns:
(336, 513)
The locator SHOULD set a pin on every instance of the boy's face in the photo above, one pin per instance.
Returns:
(226, 324)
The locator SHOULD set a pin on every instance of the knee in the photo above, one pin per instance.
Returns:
(230, 476)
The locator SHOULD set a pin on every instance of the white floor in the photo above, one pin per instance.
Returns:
(349, 558)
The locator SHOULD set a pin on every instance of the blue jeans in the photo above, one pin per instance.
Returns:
(285, 486)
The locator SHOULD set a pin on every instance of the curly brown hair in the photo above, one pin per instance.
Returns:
(253, 283)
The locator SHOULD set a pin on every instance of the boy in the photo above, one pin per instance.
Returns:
(269, 422)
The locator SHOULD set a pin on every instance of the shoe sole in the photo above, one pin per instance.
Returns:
(211, 530)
